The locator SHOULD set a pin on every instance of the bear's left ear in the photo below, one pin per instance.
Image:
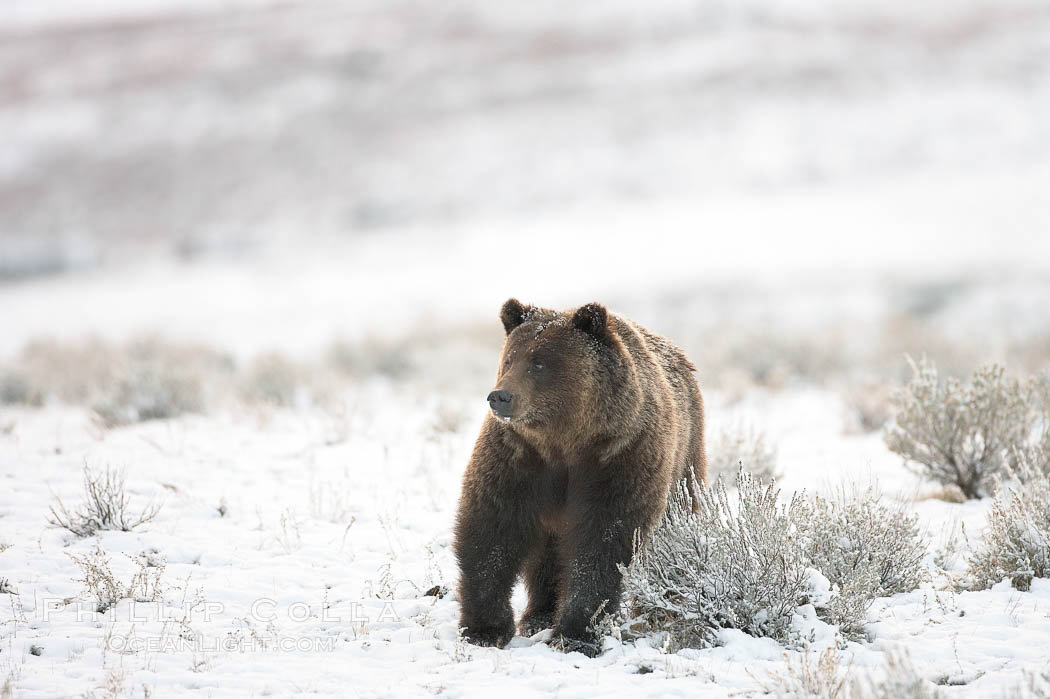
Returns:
(592, 319)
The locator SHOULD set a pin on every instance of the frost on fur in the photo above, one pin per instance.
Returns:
(1016, 542)
(749, 565)
(964, 433)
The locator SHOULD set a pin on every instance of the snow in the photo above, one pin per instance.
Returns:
(313, 580)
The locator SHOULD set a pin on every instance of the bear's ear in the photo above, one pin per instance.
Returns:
(513, 314)
(592, 319)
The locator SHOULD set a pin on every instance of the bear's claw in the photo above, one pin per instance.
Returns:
(570, 645)
(532, 624)
(490, 636)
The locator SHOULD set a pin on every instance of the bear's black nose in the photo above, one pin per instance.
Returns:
(500, 402)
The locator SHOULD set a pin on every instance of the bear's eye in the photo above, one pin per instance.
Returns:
(537, 365)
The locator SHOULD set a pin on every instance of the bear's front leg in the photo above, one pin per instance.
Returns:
(598, 540)
(494, 530)
(487, 576)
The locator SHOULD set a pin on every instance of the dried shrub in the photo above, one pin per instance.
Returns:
(1016, 542)
(17, 389)
(824, 677)
(272, 379)
(154, 381)
(142, 380)
(146, 394)
(964, 433)
(870, 406)
(105, 508)
(99, 581)
(827, 677)
(944, 493)
(741, 448)
(899, 680)
(106, 590)
(1036, 685)
(865, 548)
(444, 357)
(372, 357)
(1032, 458)
(73, 372)
(770, 357)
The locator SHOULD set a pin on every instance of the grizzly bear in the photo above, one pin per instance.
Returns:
(593, 420)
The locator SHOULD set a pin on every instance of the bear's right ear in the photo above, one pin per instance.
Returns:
(513, 314)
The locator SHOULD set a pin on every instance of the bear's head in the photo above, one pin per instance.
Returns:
(556, 369)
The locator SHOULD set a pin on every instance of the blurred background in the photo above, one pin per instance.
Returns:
(795, 191)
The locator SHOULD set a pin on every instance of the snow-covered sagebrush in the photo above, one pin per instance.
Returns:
(1016, 542)
(751, 564)
(869, 406)
(963, 434)
(720, 566)
(153, 381)
(144, 379)
(827, 676)
(741, 448)
(865, 547)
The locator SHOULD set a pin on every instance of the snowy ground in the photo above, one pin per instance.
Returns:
(311, 578)
(297, 544)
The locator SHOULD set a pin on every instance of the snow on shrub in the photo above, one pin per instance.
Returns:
(69, 371)
(151, 378)
(865, 547)
(16, 389)
(752, 565)
(823, 676)
(1036, 685)
(1016, 542)
(741, 448)
(144, 379)
(273, 379)
(964, 433)
(153, 381)
(720, 567)
(827, 677)
(869, 406)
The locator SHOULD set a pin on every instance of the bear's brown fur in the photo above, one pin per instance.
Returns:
(594, 419)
